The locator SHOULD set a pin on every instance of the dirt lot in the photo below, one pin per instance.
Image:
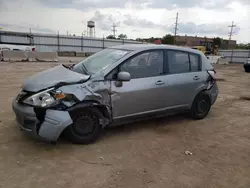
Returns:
(145, 154)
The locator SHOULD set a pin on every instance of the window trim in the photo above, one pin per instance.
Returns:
(166, 67)
(137, 54)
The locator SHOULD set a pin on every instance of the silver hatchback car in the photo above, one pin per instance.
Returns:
(115, 86)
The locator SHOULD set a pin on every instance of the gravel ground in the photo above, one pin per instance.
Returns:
(144, 154)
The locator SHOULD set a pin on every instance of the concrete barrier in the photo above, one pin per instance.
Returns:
(223, 61)
(80, 54)
(66, 53)
(31, 56)
(213, 59)
(9, 55)
(43, 56)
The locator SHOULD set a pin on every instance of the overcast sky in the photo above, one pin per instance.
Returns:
(138, 18)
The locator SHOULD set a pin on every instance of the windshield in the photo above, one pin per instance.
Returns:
(99, 61)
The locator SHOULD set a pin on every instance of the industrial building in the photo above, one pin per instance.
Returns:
(203, 41)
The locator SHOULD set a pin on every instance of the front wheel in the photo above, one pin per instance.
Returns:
(85, 128)
(201, 106)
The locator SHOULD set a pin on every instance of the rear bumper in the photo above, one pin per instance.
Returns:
(50, 129)
(213, 93)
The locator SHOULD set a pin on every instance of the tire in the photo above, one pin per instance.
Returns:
(247, 70)
(85, 128)
(201, 106)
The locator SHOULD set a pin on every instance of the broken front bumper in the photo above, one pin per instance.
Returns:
(54, 123)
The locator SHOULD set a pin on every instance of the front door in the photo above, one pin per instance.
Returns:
(142, 94)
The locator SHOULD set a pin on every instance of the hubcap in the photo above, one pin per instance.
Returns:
(83, 126)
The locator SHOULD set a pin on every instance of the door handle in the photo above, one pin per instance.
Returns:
(196, 78)
(159, 82)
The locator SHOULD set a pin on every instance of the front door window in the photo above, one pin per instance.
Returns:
(148, 64)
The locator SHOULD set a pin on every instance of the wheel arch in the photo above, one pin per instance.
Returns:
(103, 111)
(199, 91)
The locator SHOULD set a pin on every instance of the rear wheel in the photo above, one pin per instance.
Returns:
(201, 106)
(85, 128)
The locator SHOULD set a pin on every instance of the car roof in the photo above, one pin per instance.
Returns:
(142, 47)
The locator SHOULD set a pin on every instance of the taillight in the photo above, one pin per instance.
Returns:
(212, 73)
(212, 79)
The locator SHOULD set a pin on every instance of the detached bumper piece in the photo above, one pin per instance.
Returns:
(50, 129)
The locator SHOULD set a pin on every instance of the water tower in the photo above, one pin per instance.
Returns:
(91, 29)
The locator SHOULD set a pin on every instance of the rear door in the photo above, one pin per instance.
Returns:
(184, 76)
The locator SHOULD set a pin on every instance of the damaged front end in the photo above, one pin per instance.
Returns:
(46, 114)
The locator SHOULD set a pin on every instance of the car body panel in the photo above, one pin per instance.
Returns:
(54, 124)
(51, 77)
(50, 129)
(132, 100)
(137, 96)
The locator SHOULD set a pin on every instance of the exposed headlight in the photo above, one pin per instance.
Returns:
(45, 98)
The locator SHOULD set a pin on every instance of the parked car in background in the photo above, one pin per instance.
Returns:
(247, 65)
(115, 86)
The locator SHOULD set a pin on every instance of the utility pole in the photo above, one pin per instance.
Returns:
(176, 27)
(231, 30)
(114, 29)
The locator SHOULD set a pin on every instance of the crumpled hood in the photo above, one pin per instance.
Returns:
(51, 77)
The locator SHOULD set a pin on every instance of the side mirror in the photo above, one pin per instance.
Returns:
(123, 76)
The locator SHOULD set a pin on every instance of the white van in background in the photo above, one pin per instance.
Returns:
(16, 47)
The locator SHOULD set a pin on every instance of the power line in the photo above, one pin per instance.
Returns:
(231, 30)
(176, 27)
(114, 29)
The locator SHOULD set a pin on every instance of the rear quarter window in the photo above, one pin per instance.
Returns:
(183, 61)
(194, 62)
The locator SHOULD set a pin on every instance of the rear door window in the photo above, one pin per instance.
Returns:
(194, 62)
(178, 62)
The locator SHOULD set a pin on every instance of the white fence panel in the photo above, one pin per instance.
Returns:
(45, 40)
(15, 39)
(47, 48)
(235, 56)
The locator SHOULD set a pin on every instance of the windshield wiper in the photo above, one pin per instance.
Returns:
(84, 69)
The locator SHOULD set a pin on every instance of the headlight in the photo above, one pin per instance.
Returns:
(45, 98)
